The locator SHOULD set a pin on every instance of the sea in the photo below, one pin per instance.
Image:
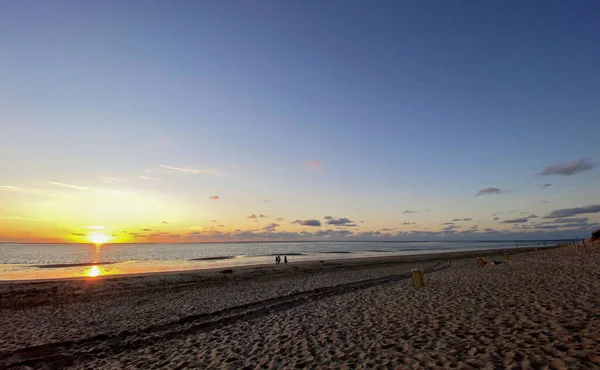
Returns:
(54, 261)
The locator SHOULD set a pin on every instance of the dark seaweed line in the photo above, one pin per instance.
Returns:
(127, 340)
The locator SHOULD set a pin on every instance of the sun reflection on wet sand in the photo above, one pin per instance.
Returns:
(94, 271)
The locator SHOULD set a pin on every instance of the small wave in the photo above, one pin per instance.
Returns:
(60, 265)
(281, 254)
(338, 252)
(212, 258)
(377, 251)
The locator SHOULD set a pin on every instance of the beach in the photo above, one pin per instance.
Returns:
(535, 310)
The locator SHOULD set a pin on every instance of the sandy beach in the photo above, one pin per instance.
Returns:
(536, 310)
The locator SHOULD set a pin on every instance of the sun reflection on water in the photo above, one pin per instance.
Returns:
(94, 271)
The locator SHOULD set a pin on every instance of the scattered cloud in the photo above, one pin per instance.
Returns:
(214, 221)
(214, 197)
(193, 171)
(568, 169)
(148, 178)
(546, 185)
(515, 221)
(252, 216)
(408, 211)
(566, 212)
(271, 226)
(362, 222)
(263, 216)
(146, 229)
(266, 201)
(462, 219)
(467, 219)
(78, 234)
(95, 227)
(339, 221)
(314, 165)
(164, 222)
(569, 220)
(448, 223)
(279, 219)
(388, 229)
(328, 218)
(496, 218)
(311, 222)
(488, 191)
(532, 216)
(456, 219)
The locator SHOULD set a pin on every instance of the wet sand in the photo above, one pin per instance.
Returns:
(536, 310)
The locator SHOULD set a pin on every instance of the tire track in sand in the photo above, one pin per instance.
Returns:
(67, 353)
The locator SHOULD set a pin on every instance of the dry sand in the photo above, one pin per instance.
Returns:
(538, 310)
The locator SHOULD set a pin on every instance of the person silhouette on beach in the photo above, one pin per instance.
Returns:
(284, 259)
(276, 260)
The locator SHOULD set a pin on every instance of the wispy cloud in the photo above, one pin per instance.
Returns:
(515, 221)
(263, 216)
(496, 218)
(82, 188)
(164, 222)
(311, 222)
(488, 191)
(266, 201)
(148, 178)
(409, 211)
(193, 171)
(252, 216)
(95, 227)
(568, 169)
(110, 180)
(315, 165)
(214, 197)
(546, 185)
(566, 212)
(279, 219)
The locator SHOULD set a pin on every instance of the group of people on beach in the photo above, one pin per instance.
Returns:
(278, 259)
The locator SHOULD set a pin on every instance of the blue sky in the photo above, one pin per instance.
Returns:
(296, 110)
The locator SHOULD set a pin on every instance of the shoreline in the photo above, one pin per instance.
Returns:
(370, 260)
(348, 311)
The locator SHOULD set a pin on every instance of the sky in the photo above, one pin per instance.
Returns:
(157, 121)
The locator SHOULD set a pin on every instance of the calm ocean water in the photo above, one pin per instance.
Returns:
(44, 261)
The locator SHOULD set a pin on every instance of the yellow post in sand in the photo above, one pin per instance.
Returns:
(506, 256)
(481, 261)
(418, 280)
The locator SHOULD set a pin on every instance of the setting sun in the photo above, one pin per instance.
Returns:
(99, 238)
